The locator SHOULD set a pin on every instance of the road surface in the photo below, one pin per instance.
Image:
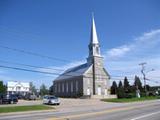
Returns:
(92, 110)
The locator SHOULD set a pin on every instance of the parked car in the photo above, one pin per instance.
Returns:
(30, 97)
(51, 100)
(19, 96)
(10, 99)
(1, 97)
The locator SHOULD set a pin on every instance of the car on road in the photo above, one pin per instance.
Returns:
(51, 100)
(30, 97)
(10, 99)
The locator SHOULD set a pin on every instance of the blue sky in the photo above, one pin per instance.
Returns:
(128, 31)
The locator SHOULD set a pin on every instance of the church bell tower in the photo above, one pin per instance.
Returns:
(95, 59)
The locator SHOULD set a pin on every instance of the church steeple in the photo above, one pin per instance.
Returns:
(94, 46)
(94, 38)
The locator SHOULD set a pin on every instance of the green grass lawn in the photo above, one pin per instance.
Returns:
(24, 108)
(125, 100)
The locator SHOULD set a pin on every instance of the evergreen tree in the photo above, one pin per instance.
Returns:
(138, 83)
(114, 88)
(3, 88)
(120, 92)
(147, 87)
(126, 85)
(120, 84)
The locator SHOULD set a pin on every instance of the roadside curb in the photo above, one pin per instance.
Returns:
(27, 112)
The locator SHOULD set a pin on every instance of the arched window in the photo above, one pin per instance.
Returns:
(97, 50)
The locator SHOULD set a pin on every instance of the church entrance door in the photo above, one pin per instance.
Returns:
(99, 90)
(88, 92)
(106, 92)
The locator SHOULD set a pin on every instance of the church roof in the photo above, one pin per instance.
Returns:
(74, 71)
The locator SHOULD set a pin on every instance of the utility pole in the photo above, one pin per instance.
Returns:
(144, 75)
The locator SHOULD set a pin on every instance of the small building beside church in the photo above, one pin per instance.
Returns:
(89, 79)
(15, 87)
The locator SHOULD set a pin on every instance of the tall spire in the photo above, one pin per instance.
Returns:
(94, 38)
(94, 46)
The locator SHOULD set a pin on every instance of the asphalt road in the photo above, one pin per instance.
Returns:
(98, 111)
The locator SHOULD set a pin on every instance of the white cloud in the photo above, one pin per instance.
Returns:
(123, 60)
(119, 51)
(146, 41)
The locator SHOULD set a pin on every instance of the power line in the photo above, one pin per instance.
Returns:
(33, 66)
(59, 70)
(116, 78)
(53, 73)
(62, 70)
(22, 69)
(37, 71)
(34, 54)
(55, 69)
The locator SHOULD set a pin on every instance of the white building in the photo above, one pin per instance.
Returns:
(17, 87)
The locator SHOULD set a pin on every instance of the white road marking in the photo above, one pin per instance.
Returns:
(144, 116)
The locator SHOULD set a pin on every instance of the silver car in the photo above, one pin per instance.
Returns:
(51, 100)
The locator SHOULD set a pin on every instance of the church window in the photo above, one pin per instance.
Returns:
(76, 86)
(62, 87)
(59, 87)
(71, 86)
(55, 88)
(97, 50)
(66, 86)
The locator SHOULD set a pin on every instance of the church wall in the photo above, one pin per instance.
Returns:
(72, 87)
(101, 77)
(101, 81)
(87, 86)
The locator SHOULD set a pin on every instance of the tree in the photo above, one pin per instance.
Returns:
(3, 88)
(126, 85)
(51, 92)
(120, 92)
(32, 88)
(120, 84)
(137, 83)
(147, 87)
(114, 88)
(43, 90)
